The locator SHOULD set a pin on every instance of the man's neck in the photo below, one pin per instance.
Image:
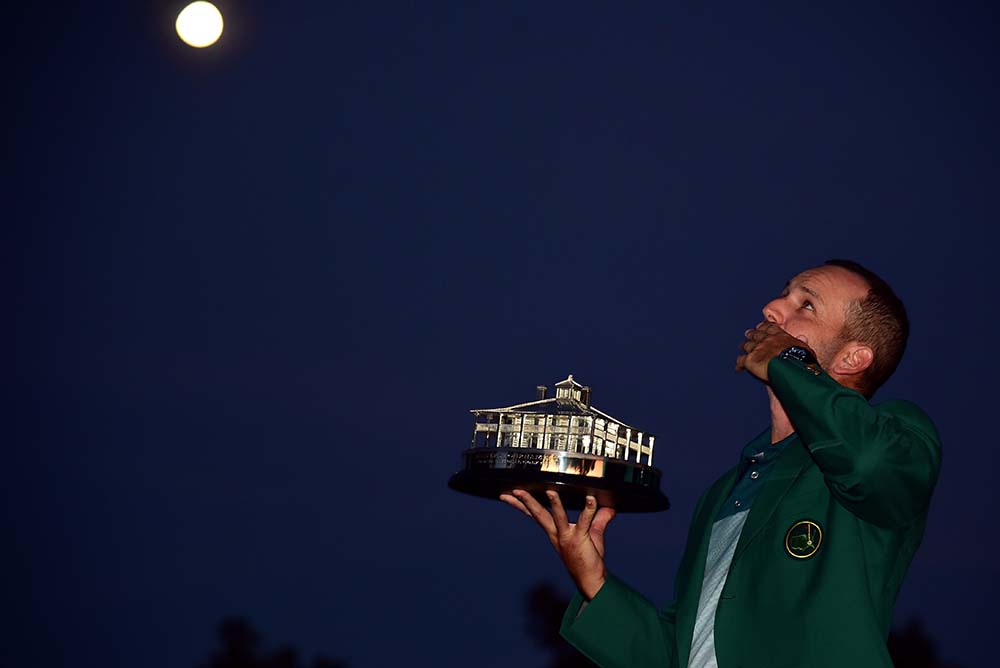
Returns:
(781, 426)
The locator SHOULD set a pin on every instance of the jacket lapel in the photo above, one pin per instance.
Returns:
(705, 520)
(692, 572)
(786, 471)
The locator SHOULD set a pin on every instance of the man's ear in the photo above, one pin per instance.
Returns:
(852, 359)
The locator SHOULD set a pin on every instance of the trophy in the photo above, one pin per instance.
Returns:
(565, 444)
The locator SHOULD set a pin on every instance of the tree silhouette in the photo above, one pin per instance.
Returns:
(240, 647)
(909, 647)
(912, 647)
(545, 608)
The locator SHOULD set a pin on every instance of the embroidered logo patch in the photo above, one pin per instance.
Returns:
(803, 539)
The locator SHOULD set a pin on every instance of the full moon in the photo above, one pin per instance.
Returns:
(199, 24)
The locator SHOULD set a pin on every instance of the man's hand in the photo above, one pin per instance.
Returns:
(580, 545)
(763, 344)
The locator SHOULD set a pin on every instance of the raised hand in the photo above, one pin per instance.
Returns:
(580, 545)
(762, 344)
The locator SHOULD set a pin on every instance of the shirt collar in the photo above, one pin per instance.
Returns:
(761, 450)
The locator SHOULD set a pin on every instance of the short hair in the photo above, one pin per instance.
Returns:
(878, 320)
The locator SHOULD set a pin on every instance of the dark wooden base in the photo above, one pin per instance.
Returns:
(627, 487)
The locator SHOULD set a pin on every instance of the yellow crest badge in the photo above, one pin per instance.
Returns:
(803, 539)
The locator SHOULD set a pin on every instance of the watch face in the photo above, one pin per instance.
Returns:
(797, 353)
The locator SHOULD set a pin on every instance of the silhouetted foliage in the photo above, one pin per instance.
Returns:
(909, 647)
(912, 647)
(545, 608)
(240, 647)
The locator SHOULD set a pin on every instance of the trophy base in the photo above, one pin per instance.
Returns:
(627, 487)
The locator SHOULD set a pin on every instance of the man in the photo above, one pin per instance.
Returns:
(795, 556)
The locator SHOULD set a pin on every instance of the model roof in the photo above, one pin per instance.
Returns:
(553, 406)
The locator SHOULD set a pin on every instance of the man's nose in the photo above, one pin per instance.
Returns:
(772, 313)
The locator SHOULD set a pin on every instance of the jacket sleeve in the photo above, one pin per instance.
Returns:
(620, 628)
(880, 462)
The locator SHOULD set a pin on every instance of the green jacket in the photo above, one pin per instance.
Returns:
(862, 475)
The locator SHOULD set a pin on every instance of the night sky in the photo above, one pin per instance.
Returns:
(256, 289)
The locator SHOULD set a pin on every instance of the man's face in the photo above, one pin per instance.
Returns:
(813, 307)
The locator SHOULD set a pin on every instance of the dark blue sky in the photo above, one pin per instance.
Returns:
(257, 288)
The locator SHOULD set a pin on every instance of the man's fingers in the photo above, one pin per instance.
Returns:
(768, 328)
(587, 515)
(755, 337)
(599, 526)
(603, 518)
(514, 502)
(535, 509)
(558, 512)
(762, 331)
